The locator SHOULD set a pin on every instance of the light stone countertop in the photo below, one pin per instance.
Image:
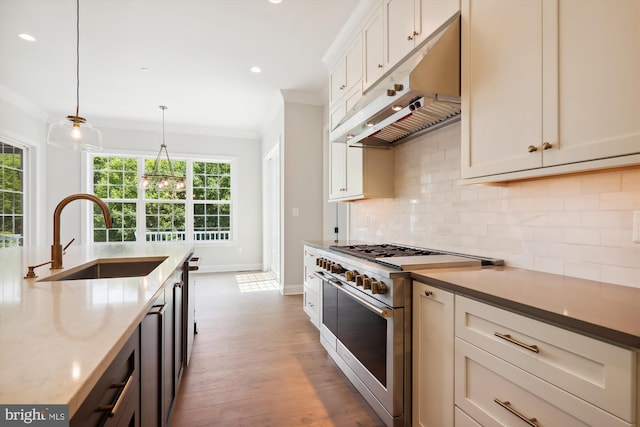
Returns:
(57, 338)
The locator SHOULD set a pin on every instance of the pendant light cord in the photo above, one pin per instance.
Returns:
(77, 57)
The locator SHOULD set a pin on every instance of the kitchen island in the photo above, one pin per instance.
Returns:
(58, 337)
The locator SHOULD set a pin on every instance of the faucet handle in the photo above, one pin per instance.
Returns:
(67, 245)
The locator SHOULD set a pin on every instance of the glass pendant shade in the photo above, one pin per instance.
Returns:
(75, 133)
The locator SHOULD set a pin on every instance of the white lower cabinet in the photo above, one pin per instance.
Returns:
(511, 369)
(496, 393)
(432, 356)
(475, 364)
(463, 420)
(311, 290)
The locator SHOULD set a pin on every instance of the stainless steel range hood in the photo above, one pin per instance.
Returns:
(420, 94)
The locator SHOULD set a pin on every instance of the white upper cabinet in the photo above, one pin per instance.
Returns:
(549, 86)
(359, 173)
(409, 22)
(347, 72)
(373, 40)
(399, 15)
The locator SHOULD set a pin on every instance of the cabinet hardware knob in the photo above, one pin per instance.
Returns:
(380, 65)
(409, 38)
(391, 92)
(546, 145)
(428, 293)
(532, 148)
(512, 340)
(415, 33)
(342, 87)
(507, 405)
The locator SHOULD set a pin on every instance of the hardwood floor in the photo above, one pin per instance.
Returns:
(257, 361)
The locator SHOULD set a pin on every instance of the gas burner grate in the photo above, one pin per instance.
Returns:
(371, 252)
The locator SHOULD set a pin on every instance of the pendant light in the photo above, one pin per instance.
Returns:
(74, 132)
(162, 181)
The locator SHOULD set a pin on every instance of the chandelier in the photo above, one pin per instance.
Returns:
(74, 131)
(157, 179)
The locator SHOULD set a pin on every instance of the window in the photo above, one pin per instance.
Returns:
(11, 195)
(201, 213)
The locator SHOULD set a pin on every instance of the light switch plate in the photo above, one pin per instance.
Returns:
(636, 226)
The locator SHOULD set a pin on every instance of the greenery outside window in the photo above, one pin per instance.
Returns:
(201, 213)
(11, 195)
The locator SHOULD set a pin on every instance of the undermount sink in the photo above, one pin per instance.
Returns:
(109, 268)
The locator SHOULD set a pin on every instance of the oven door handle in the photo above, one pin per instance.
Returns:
(380, 312)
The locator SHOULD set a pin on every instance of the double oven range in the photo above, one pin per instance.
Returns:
(366, 317)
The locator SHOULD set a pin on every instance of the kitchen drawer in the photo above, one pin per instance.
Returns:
(496, 393)
(116, 392)
(312, 304)
(310, 266)
(461, 419)
(601, 373)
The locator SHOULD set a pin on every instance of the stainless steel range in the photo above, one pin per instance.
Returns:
(366, 317)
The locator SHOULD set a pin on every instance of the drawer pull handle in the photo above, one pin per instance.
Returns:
(508, 337)
(113, 409)
(428, 293)
(506, 405)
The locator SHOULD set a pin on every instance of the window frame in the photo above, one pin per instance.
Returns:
(87, 213)
(27, 188)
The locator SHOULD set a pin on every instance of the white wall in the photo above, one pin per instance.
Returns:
(244, 253)
(302, 179)
(23, 124)
(576, 225)
(298, 127)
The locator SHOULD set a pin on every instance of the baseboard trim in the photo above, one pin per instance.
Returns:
(227, 268)
(292, 289)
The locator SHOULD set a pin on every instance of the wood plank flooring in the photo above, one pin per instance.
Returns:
(257, 361)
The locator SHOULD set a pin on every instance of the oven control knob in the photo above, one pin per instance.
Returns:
(319, 261)
(359, 279)
(325, 264)
(337, 269)
(378, 287)
(350, 275)
(366, 282)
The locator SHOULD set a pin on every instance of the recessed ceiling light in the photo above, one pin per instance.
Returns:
(27, 37)
(256, 70)
(145, 69)
(275, 1)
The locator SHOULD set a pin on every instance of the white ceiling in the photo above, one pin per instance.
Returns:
(198, 52)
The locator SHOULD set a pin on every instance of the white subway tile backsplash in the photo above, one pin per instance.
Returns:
(577, 225)
(582, 235)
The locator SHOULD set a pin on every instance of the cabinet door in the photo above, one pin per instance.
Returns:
(430, 14)
(373, 38)
(151, 379)
(338, 80)
(399, 17)
(168, 386)
(353, 62)
(354, 171)
(179, 338)
(598, 72)
(433, 355)
(502, 89)
(338, 170)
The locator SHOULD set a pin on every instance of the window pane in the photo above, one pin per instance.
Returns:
(11, 196)
(116, 179)
(123, 229)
